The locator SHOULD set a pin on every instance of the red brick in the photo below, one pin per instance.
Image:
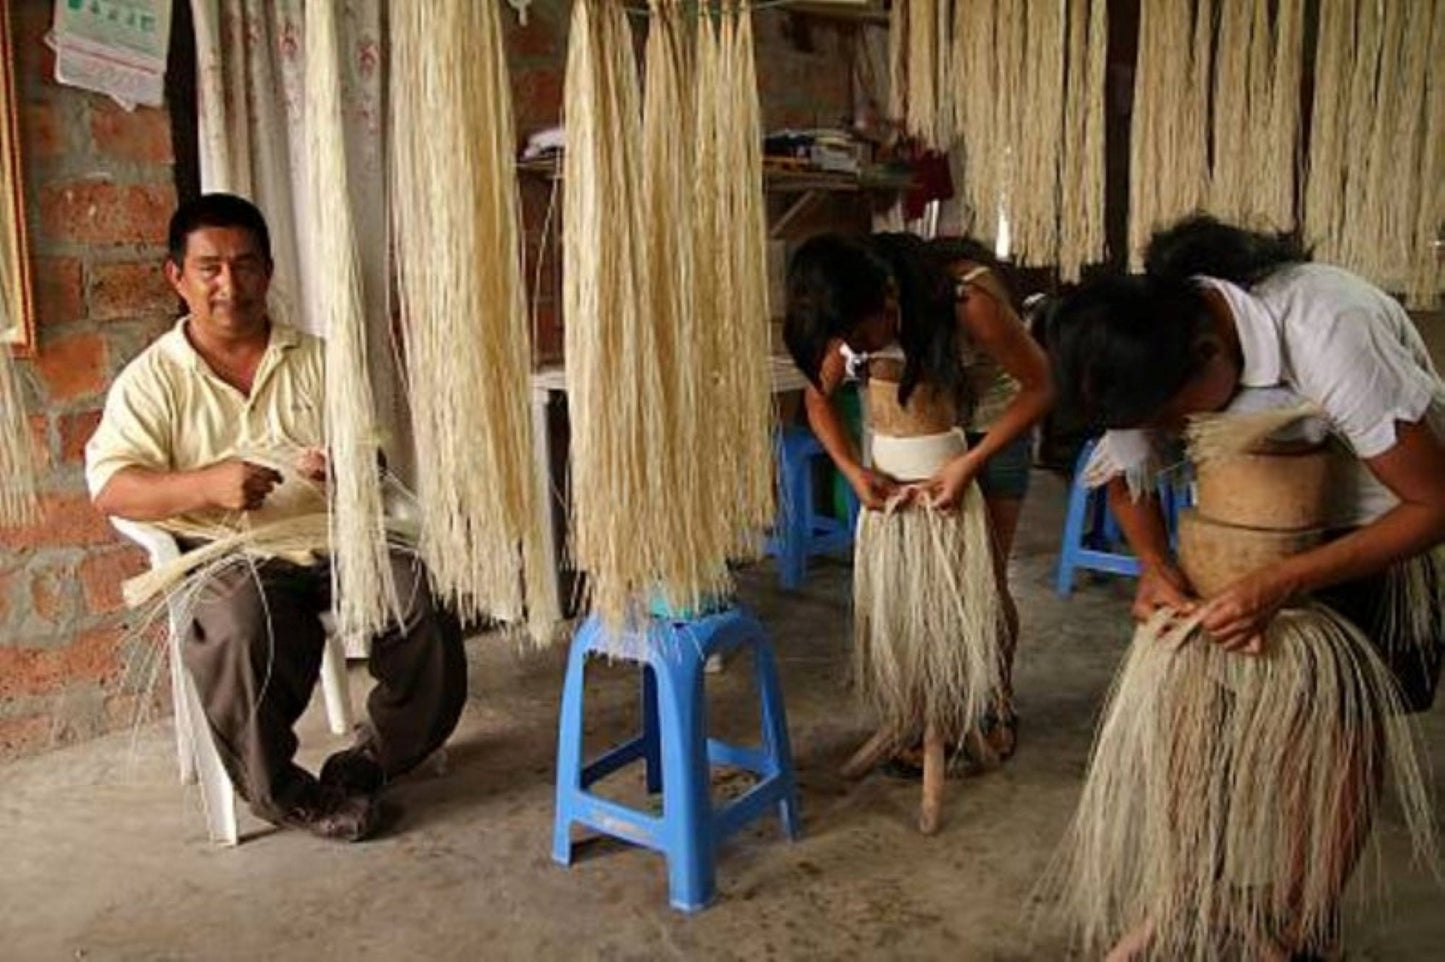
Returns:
(40, 440)
(41, 132)
(45, 594)
(101, 212)
(59, 294)
(102, 573)
(65, 520)
(129, 290)
(72, 367)
(24, 735)
(75, 430)
(143, 136)
(93, 656)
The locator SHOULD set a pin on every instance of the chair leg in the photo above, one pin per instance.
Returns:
(335, 689)
(775, 734)
(1073, 538)
(218, 795)
(651, 734)
(797, 520)
(686, 789)
(185, 721)
(569, 749)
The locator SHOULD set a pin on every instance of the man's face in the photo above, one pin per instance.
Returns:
(223, 280)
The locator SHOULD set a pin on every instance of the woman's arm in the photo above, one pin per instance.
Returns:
(874, 490)
(1414, 469)
(998, 333)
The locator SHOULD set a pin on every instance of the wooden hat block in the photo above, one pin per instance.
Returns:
(1253, 510)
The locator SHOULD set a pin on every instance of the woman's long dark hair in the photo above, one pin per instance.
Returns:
(1121, 347)
(836, 281)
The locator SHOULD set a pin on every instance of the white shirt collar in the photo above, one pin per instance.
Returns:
(1260, 339)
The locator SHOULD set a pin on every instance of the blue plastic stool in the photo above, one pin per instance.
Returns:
(802, 530)
(676, 750)
(1092, 539)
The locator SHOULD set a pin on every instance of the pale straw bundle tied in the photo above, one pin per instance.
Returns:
(927, 618)
(364, 595)
(18, 502)
(1374, 199)
(1228, 796)
(664, 289)
(1169, 158)
(1019, 89)
(458, 256)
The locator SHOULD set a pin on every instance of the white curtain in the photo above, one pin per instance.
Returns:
(252, 116)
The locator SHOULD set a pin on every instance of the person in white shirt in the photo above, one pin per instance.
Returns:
(1221, 318)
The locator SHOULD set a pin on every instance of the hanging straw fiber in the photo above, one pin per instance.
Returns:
(664, 290)
(364, 595)
(455, 211)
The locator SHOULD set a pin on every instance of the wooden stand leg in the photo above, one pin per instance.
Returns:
(866, 758)
(934, 763)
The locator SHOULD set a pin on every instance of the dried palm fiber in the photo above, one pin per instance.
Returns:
(1402, 165)
(668, 167)
(745, 411)
(364, 595)
(18, 502)
(17, 458)
(1370, 211)
(1081, 206)
(1234, 97)
(1278, 149)
(1168, 166)
(927, 619)
(459, 274)
(1033, 209)
(1330, 130)
(1227, 796)
(613, 379)
(1010, 36)
(1211, 437)
(1427, 274)
(973, 55)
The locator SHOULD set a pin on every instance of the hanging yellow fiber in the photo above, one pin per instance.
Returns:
(1081, 206)
(364, 594)
(459, 270)
(1169, 162)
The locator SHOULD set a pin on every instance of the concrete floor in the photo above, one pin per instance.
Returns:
(103, 855)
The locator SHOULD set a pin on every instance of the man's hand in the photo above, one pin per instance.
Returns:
(1237, 617)
(874, 490)
(237, 485)
(311, 465)
(945, 489)
(1162, 585)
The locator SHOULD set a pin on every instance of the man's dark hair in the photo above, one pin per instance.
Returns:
(216, 210)
(1122, 346)
(1200, 244)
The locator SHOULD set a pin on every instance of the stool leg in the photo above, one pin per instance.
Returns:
(797, 519)
(569, 750)
(1073, 536)
(775, 735)
(651, 736)
(687, 823)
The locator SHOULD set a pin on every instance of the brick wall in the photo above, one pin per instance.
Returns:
(99, 190)
(98, 193)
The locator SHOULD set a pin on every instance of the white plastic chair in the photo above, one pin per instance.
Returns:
(195, 748)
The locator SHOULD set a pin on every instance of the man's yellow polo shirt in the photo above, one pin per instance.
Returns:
(168, 411)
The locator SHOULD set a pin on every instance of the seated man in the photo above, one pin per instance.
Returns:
(219, 424)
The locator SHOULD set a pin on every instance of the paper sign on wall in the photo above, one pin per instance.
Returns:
(114, 47)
